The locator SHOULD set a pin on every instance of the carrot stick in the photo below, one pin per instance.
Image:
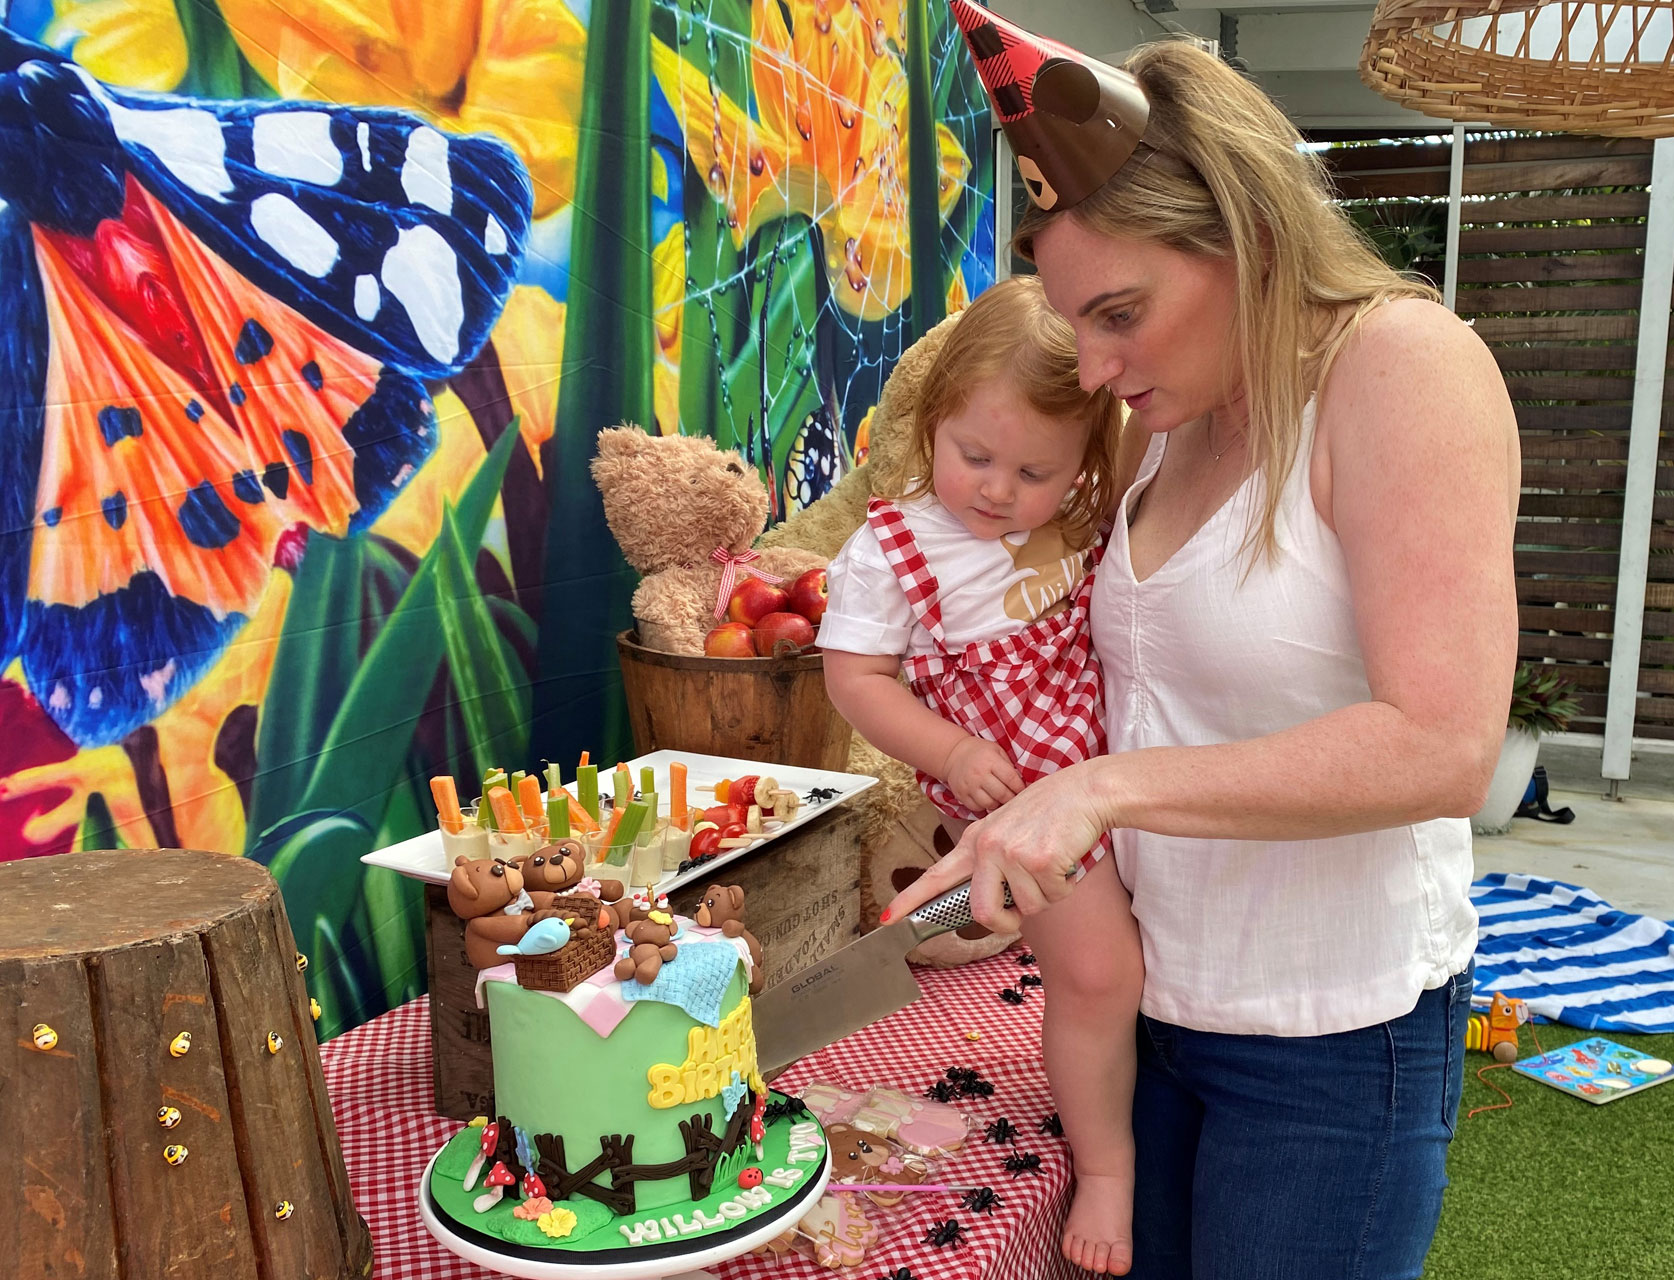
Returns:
(580, 819)
(505, 811)
(529, 795)
(677, 795)
(583, 760)
(446, 794)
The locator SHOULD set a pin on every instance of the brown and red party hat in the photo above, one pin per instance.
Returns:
(1072, 121)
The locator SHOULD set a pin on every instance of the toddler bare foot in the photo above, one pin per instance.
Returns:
(1099, 1234)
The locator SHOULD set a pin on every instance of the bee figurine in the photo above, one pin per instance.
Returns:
(174, 1153)
(275, 1042)
(181, 1045)
(301, 967)
(314, 1009)
(45, 1037)
(283, 1210)
(168, 1117)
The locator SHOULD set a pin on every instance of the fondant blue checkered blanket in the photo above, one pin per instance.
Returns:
(1572, 956)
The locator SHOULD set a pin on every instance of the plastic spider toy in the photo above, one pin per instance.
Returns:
(787, 1109)
(1030, 980)
(819, 795)
(1022, 1162)
(945, 1233)
(941, 1091)
(1051, 1125)
(959, 1075)
(900, 1273)
(1001, 1130)
(698, 861)
(982, 1200)
(976, 1089)
(1011, 995)
(1028, 957)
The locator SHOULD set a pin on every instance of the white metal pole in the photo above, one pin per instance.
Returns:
(1002, 204)
(1455, 195)
(1646, 424)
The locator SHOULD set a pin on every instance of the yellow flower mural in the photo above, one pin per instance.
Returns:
(509, 67)
(132, 42)
(831, 94)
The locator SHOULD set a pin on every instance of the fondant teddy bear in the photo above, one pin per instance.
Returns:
(722, 907)
(684, 513)
(653, 947)
(488, 895)
(557, 869)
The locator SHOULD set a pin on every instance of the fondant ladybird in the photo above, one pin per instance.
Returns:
(168, 1117)
(174, 1153)
(181, 1045)
(45, 1036)
(749, 1177)
(283, 1210)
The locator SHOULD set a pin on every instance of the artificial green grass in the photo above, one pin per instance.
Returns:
(1557, 1187)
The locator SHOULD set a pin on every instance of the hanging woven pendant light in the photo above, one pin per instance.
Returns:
(1590, 67)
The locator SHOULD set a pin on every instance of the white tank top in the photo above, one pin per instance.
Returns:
(1287, 938)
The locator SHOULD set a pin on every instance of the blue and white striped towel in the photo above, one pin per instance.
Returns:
(1572, 956)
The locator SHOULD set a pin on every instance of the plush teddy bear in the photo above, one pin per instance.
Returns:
(489, 896)
(722, 907)
(653, 947)
(684, 513)
(901, 834)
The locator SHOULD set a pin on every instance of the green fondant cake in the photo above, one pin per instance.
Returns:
(629, 1108)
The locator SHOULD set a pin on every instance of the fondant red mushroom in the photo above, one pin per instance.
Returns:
(533, 1188)
(490, 1140)
(499, 1178)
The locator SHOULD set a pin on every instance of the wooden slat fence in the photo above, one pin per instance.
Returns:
(1551, 260)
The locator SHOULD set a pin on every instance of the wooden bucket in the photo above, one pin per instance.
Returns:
(774, 710)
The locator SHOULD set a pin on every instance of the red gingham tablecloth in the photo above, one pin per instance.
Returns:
(380, 1083)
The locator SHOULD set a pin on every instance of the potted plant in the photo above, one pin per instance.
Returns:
(1542, 701)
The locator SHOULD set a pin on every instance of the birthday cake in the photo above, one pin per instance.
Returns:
(631, 1116)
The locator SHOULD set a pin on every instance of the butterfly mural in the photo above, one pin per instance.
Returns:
(218, 322)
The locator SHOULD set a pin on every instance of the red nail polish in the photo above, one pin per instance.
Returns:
(884, 918)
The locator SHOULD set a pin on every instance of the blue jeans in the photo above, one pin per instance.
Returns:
(1316, 1157)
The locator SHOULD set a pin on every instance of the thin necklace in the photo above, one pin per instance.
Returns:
(1208, 439)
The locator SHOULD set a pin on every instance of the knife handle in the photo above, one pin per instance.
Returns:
(945, 914)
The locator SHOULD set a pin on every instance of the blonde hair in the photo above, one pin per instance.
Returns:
(1011, 331)
(1220, 173)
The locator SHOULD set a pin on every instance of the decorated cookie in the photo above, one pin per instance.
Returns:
(858, 1156)
(838, 1231)
(928, 1128)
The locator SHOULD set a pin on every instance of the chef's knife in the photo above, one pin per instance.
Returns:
(867, 980)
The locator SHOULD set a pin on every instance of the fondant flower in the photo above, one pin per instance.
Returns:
(589, 887)
(892, 1165)
(534, 1210)
(557, 1222)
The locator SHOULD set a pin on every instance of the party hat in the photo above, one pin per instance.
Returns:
(1072, 121)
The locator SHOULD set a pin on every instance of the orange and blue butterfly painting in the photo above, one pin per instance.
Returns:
(218, 321)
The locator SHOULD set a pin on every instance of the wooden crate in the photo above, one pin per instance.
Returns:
(802, 901)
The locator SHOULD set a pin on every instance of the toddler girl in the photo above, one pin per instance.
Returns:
(975, 582)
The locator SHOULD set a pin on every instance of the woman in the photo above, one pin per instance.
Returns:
(1307, 622)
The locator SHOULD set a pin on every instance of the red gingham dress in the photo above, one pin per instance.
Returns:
(1037, 692)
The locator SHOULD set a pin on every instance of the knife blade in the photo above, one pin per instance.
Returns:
(852, 988)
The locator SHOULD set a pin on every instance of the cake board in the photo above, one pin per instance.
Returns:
(670, 1264)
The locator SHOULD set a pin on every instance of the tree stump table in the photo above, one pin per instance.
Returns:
(162, 1095)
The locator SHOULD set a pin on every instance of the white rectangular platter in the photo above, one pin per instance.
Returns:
(421, 857)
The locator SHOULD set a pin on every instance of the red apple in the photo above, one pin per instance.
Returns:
(776, 627)
(807, 595)
(730, 640)
(752, 600)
